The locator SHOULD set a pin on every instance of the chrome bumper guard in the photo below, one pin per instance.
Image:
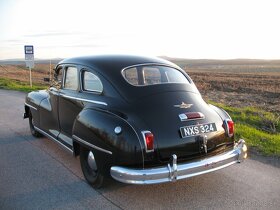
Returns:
(174, 171)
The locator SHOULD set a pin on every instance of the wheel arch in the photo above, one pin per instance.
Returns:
(26, 111)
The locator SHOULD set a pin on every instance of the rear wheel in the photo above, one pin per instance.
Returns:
(90, 169)
(32, 128)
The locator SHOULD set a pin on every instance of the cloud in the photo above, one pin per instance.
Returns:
(74, 46)
(48, 34)
(85, 46)
(13, 41)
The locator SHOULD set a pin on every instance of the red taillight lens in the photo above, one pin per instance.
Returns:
(229, 127)
(149, 141)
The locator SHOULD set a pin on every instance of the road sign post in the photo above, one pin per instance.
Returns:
(29, 59)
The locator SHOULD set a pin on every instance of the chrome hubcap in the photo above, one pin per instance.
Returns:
(91, 161)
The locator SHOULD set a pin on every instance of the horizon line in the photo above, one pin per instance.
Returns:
(161, 56)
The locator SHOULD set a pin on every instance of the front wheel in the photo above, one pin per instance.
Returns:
(90, 169)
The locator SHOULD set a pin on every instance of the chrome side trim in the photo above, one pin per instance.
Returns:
(91, 145)
(152, 64)
(174, 171)
(54, 139)
(32, 107)
(85, 100)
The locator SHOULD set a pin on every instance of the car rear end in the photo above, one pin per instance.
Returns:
(183, 136)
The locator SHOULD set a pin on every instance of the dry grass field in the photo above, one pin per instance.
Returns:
(21, 73)
(240, 89)
(237, 83)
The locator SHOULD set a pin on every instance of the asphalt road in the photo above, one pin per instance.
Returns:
(39, 174)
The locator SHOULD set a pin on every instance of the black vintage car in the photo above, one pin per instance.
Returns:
(139, 120)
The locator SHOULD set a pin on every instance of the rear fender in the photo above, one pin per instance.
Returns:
(222, 113)
(96, 130)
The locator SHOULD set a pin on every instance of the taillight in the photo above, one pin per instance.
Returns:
(149, 141)
(229, 127)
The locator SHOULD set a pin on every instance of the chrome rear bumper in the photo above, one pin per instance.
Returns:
(174, 171)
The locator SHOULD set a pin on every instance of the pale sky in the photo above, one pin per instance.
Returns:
(214, 29)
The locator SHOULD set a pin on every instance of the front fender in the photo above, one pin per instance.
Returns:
(95, 129)
(32, 103)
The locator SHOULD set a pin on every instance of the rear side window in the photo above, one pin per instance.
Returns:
(71, 78)
(91, 82)
(131, 76)
(153, 75)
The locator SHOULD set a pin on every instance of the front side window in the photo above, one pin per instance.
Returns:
(71, 78)
(91, 82)
(152, 75)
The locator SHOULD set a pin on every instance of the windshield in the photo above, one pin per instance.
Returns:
(152, 75)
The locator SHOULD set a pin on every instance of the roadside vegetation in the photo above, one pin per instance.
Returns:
(11, 84)
(260, 129)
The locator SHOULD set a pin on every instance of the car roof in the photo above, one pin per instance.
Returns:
(110, 66)
(109, 63)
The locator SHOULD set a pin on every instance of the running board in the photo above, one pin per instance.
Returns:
(54, 139)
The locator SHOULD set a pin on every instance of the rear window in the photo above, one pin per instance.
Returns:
(152, 75)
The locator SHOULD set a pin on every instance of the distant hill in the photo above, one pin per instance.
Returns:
(22, 62)
(222, 62)
(234, 65)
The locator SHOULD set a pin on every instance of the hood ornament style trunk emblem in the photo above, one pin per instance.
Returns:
(183, 105)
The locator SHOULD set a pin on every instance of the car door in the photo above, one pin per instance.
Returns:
(49, 121)
(68, 105)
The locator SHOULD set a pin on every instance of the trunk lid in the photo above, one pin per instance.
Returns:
(160, 112)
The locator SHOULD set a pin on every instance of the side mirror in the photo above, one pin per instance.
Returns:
(53, 89)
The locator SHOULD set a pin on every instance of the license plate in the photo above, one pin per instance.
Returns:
(195, 130)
